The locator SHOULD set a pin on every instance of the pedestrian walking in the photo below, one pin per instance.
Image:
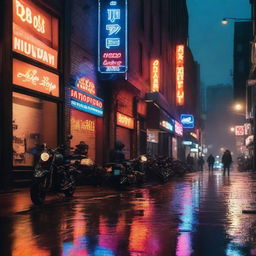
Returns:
(226, 161)
(210, 161)
(200, 163)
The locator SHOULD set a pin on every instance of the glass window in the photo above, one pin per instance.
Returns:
(34, 123)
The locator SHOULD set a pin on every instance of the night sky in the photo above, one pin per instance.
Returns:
(211, 42)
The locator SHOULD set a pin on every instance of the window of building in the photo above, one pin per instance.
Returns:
(34, 123)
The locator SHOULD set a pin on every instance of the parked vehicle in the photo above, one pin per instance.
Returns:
(53, 172)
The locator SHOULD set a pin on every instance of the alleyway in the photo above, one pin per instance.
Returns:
(199, 215)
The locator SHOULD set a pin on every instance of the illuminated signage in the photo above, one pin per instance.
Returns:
(152, 136)
(187, 121)
(178, 128)
(87, 103)
(239, 130)
(83, 125)
(124, 120)
(86, 85)
(194, 150)
(187, 143)
(155, 76)
(180, 75)
(112, 37)
(194, 135)
(35, 33)
(35, 78)
(167, 125)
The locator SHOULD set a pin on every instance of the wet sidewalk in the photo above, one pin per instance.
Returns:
(199, 215)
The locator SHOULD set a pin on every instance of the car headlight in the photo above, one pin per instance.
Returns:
(45, 157)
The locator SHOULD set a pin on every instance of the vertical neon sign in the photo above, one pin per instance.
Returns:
(155, 76)
(112, 36)
(180, 75)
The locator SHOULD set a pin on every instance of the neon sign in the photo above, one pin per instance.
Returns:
(35, 78)
(155, 76)
(180, 75)
(86, 85)
(167, 125)
(86, 102)
(187, 121)
(124, 120)
(35, 33)
(178, 128)
(112, 37)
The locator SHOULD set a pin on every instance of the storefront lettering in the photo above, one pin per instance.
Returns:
(30, 76)
(83, 125)
(155, 75)
(125, 121)
(86, 98)
(86, 85)
(35, 52)
(26, 15)
(178, 128)
(35, 78)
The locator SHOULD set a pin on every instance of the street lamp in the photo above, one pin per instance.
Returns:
(232, 129)
(238, 107)
(225, 20)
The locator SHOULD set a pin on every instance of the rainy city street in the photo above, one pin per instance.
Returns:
(200, 214)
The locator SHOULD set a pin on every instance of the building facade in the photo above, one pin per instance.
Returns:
(65, 68)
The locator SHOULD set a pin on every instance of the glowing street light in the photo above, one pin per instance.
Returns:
(232, 129)
(224, 21)
(238, 107)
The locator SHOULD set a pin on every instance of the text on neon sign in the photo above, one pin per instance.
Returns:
(155, 75)
(25, 14)
(180, 75)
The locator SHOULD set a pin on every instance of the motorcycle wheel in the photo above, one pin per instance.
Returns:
(69, 192)
(37, 192)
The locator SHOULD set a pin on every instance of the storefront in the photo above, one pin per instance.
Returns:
(86, 117)
(178, 147)
(36, 79)
(124, 132)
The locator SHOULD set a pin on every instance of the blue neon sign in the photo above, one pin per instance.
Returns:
(187, 121)
(86, 108)
(112, 36)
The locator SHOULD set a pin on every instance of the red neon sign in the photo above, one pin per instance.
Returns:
(86, 85)
(155, 76)
(180, 75)
(124, 120)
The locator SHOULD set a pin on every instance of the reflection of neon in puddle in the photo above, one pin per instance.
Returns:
(79, 247)
(184, 247)
(233, 250)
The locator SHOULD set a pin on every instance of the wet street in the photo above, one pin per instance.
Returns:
(199, 215)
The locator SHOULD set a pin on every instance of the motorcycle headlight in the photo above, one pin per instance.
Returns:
(87, 161)
(45, 157)
(143, 159)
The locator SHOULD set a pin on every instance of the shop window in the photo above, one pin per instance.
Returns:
(124, 135)
(34, 123)
(83, 128)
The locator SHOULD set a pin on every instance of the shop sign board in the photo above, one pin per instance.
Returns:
(34, 78)
(86, 102)
(112, 36)
(187, 143)
(86, 85)
(155, 76)
(168, 125)
(194, 150)
(239, 130)
(35, 33)
(180, 75)
(193, 134)
(124, 120)
(152, 136)
(178, 128)
(187, 121)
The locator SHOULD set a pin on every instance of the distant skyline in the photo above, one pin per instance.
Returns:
(210, 41)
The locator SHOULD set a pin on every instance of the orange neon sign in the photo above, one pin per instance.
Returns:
(35, 78)
(124, 120)
(35, 33)
(86, 85)
(155, 76)
(180, 75)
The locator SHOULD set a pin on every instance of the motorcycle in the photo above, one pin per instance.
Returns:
(53, 172)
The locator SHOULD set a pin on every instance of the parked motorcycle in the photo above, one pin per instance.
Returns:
(53, 172)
